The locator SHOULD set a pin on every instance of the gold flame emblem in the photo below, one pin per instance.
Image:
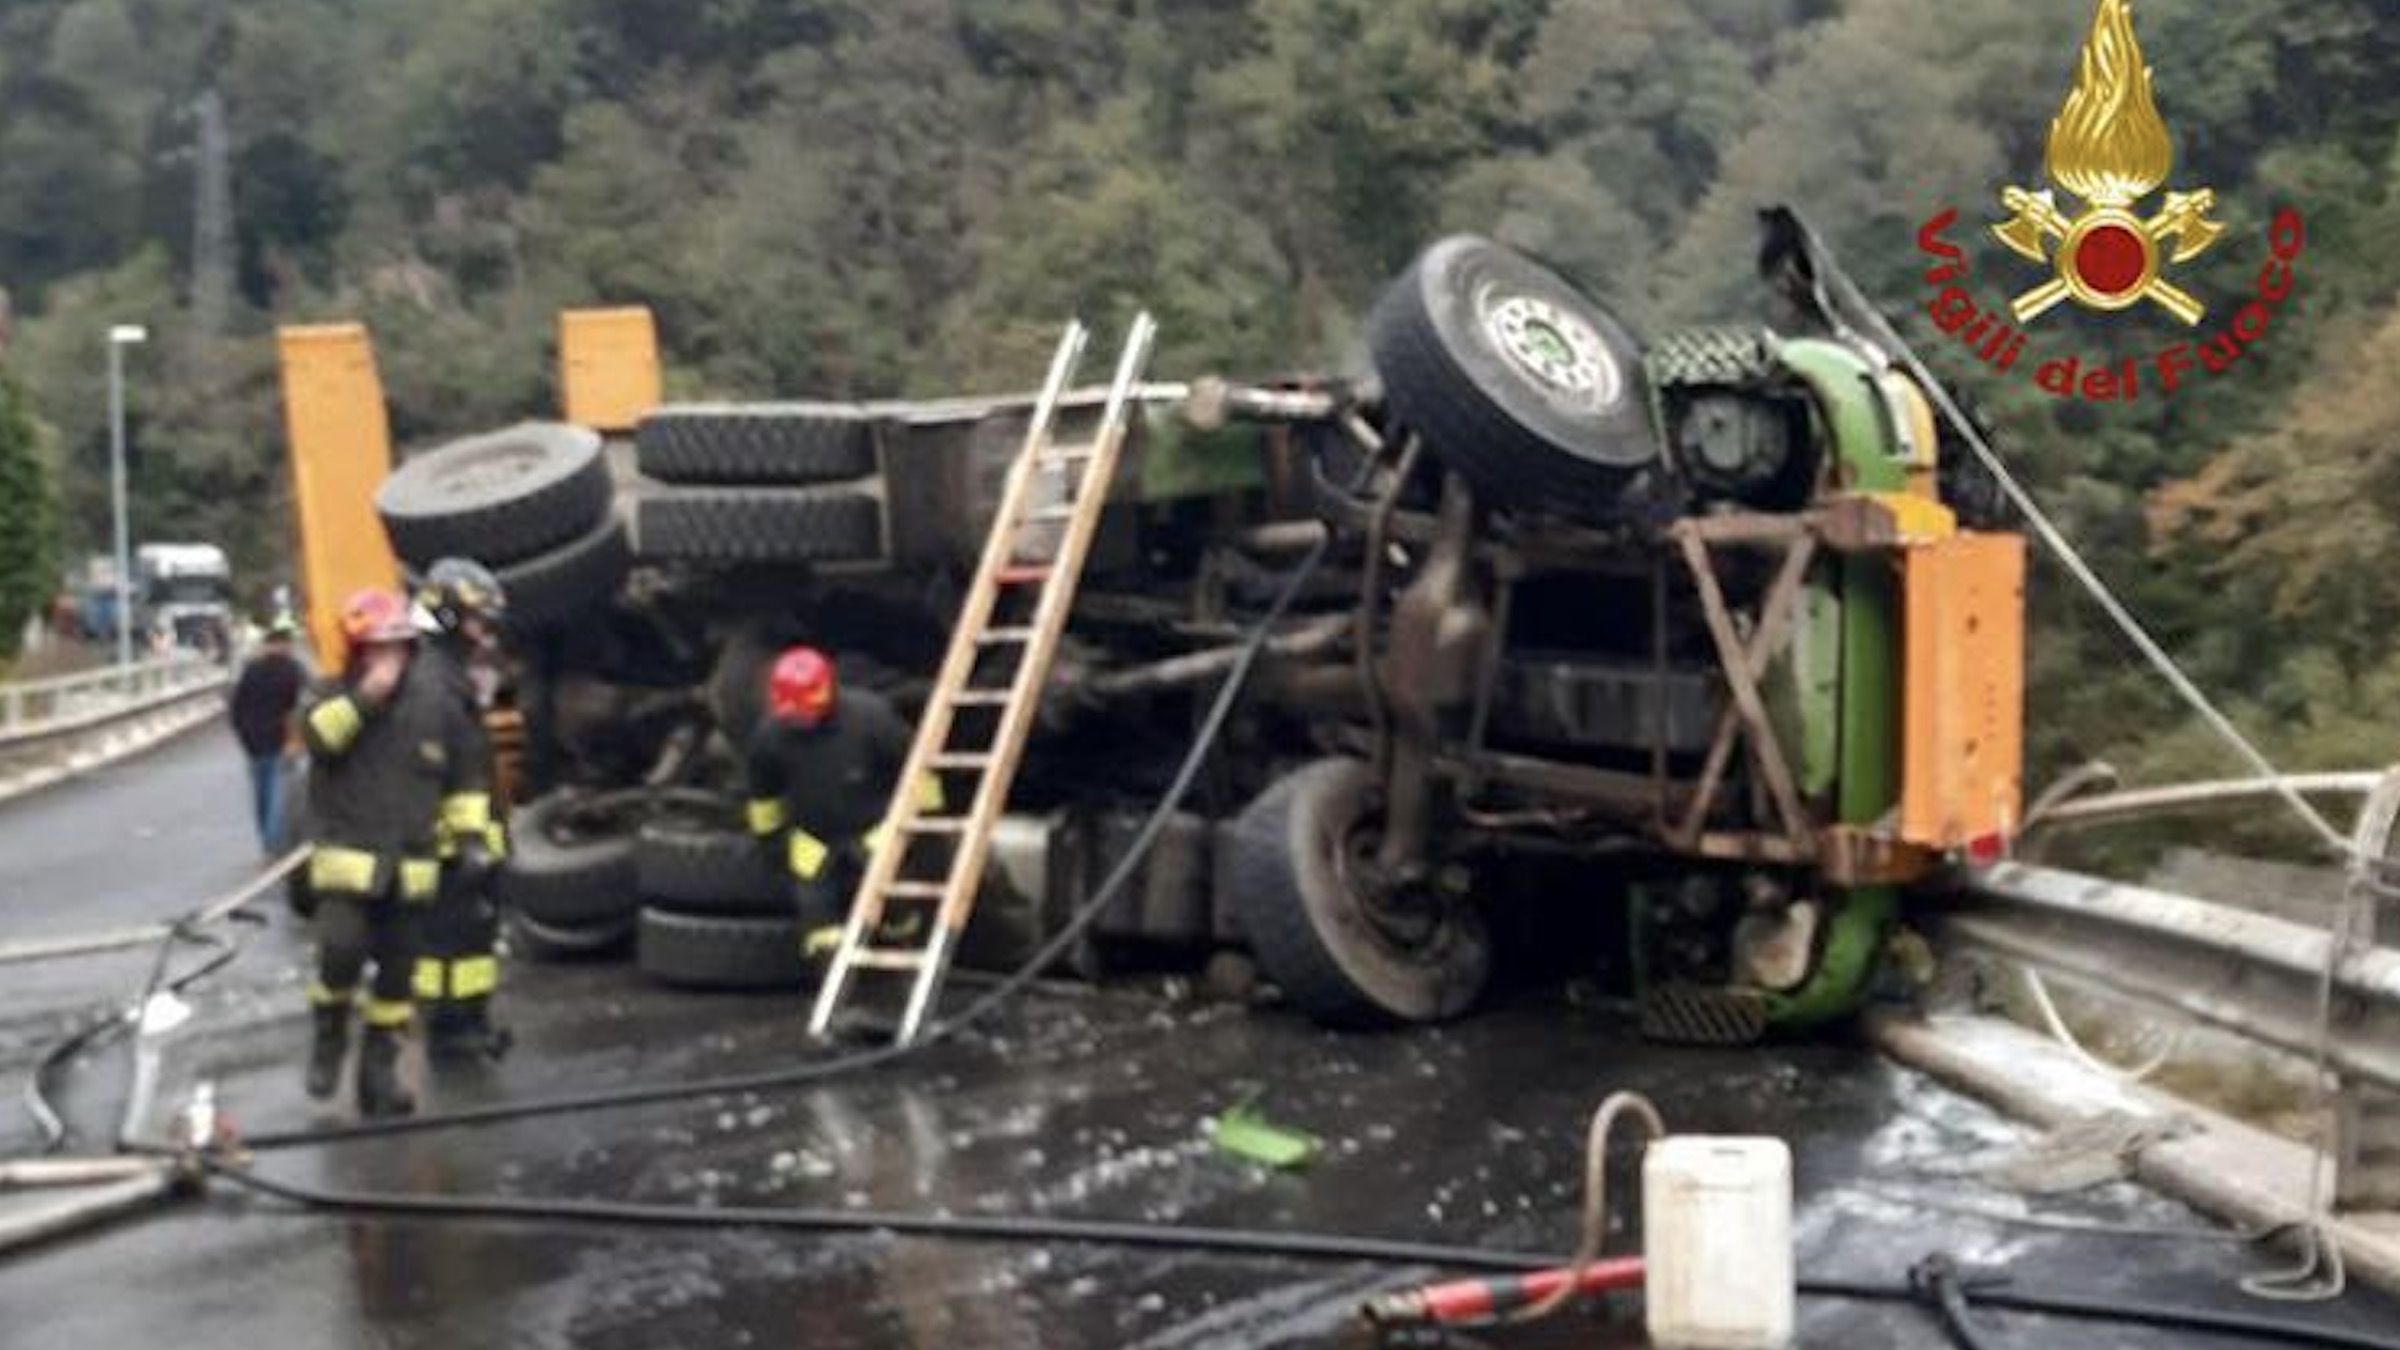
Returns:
(2109, 146)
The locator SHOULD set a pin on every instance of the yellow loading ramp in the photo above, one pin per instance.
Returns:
(341, 451)
(608, 376)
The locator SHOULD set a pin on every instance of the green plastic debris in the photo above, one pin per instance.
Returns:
(1245, 1133)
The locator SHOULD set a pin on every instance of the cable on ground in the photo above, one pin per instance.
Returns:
(1247, 1242)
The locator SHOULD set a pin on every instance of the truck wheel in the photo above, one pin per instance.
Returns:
(1525, 386)
(570, 863)
(759, 525)
(784, 443)
(562, 585)
(692, 867)
(537, 941)
(1338, 953)
(713, 952)
(496, 498)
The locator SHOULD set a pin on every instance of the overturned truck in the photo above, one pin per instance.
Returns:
(1688, 648)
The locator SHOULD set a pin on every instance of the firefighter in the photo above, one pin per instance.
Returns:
(821, 768)
(460, 609)
(386, 746)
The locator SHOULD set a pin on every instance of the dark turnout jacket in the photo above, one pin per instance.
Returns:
(834, 780)
(379, 771)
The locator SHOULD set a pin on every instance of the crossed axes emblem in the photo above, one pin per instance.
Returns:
(2108, 257)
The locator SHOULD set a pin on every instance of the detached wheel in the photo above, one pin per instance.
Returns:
(697, 951)
(1520, 382)
(694, 867)
(570, 863)
(759, 525)
(789, 443)
(1341, 952)
(497, 498)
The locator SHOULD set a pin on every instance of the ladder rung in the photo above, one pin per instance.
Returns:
(916, 890)
(980, 698)
(1084, 450)
(881, 958)
(1045, 514)
(960, 760)
(1022, 574)
(936, 825)
(993, 637)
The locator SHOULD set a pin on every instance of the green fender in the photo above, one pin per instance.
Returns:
(1852, 410)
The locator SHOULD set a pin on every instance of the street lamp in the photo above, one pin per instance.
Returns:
(119, 338)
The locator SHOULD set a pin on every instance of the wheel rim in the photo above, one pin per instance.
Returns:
(494, 470)
(1564, 355)
(1406, 922)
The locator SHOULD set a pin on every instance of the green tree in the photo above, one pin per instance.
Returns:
(28, 517)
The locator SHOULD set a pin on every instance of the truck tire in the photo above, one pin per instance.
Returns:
(696, 951)
(570, 863)
(692, 867)
(496, 498)
(781, 443)
(1313, 932)
(1525, 386)
(537, 941)
(759, 525)
(562, 585)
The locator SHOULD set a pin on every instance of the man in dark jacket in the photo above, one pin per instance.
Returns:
(388, 744)
(263, 699)
(821, 771)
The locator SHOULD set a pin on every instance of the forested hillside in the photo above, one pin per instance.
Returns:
(842, 197)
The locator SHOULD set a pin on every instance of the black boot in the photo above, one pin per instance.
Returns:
(327, 1048)
(463, 1031)
(380, 1091)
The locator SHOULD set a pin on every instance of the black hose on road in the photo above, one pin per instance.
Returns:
(1949, 1297)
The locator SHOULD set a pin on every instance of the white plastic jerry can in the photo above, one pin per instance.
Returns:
(1717, 1243)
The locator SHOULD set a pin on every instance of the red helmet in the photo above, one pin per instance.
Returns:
(373, 616)
(800, 687)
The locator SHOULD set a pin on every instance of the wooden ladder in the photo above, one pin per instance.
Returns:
(983, 703)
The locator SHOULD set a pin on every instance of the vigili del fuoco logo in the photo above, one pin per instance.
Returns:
(2109, 150)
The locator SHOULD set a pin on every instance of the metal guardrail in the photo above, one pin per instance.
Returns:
(2251, 974)
(34, 711)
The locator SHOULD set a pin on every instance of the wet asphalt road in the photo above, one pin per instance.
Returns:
(1092, 1105)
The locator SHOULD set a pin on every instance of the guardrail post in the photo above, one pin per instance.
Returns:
(2366, 1117)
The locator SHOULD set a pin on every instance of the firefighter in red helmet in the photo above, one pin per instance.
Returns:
(821, 769)
(386, 745)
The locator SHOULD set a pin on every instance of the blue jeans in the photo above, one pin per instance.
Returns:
(266, 800)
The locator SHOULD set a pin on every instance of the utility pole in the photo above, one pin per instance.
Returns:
(119, 338)
(212, 222)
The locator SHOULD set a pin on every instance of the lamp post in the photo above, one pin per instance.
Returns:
(119, 338)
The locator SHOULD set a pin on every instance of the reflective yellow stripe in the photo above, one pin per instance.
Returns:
(929, 792)
(806, 854)
(466, 812)
(765, 814)
(495, 840)
(336, 721)
(474, 976)
(821, 939)
(420, 878)
(319, 996)
(428, 978)
(387, 1012)
(874, 838)
(333, 870)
